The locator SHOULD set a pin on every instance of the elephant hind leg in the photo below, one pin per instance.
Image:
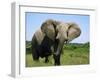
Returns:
(46, 59)
(35, 52)
(35, 55)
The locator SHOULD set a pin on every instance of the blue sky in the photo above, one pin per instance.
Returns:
(34, 21)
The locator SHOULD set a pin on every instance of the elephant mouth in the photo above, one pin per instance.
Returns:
(66, 41)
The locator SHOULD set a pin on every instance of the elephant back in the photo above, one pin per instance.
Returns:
(39, 36)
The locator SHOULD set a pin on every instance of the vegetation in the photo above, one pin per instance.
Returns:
(73, 54)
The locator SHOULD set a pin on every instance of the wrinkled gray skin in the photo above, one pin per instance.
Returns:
(56, 34)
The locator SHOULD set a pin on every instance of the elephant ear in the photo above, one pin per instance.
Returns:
(49, 28)
(73, 31)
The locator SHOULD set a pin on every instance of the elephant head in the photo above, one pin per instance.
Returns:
(60, 32)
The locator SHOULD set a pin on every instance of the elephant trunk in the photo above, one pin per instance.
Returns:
(58, 53)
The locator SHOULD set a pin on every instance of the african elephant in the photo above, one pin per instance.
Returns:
(50, 38)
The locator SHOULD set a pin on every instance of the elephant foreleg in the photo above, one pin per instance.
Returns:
(56, 59)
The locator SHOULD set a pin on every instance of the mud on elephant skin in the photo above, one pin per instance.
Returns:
(50, 38)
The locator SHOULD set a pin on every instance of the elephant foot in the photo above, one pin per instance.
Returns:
(57, 64)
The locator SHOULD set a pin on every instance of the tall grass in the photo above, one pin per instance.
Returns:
(73, 54)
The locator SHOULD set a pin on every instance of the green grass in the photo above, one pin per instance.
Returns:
(72, 55)
(31, 63)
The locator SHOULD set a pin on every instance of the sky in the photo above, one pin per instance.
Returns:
(33, 22)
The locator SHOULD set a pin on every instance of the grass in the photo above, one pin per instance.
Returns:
(72, 55)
